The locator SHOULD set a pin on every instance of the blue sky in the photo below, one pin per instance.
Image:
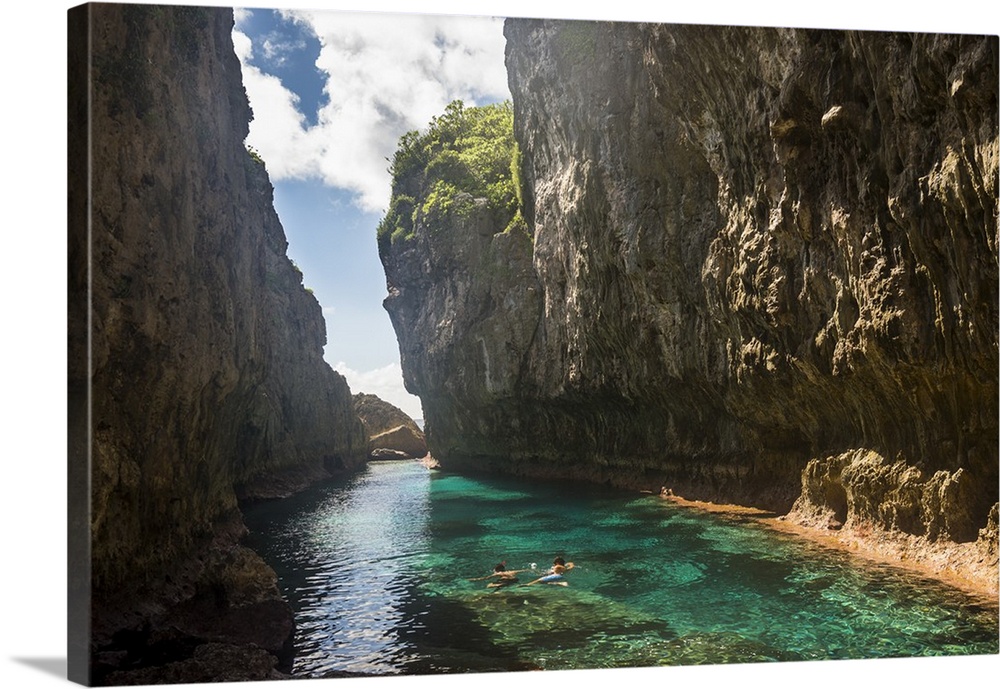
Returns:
(332, 92)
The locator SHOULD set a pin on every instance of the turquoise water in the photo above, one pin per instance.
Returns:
(377, 567)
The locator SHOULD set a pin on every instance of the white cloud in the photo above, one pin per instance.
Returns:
(240, 14)
(386, 74)
(243, 46)
(386, 383)
(278, 131)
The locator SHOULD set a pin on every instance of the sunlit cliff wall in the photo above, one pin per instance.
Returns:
(762, 267)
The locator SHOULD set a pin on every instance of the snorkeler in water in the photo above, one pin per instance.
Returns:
(555, 574)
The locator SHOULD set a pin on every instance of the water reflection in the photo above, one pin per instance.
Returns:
(347, 560)
(377, 571)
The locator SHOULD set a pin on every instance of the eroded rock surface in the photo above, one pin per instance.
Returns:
(400, 439)
(862, 488)
(392, 434)
(747, 249)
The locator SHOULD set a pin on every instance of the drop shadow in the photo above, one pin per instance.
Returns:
(56, 667)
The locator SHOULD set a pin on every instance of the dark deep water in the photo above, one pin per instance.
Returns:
(376, 569)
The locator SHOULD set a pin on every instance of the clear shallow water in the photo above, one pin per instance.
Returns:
(376, 569)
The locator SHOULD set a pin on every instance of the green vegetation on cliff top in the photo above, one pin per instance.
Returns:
(465, 154)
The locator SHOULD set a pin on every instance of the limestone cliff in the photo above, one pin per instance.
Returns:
(748, 249)
(202, 356)
(392, 434)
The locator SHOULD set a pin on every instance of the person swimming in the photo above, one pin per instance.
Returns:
(503, 576)
(555, 573)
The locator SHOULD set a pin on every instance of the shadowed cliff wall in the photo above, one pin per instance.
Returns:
(203, 352)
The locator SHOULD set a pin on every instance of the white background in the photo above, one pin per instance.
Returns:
(33, 161)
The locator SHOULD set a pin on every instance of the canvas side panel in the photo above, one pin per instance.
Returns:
(78, 333)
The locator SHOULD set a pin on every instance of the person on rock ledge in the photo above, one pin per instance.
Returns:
(555, 574)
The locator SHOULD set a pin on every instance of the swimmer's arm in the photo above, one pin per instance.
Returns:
(488, 576)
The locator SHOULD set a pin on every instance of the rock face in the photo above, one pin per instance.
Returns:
(862, 488)
(205, 364)
(392, 433)
(749, 250)
(402, 439)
